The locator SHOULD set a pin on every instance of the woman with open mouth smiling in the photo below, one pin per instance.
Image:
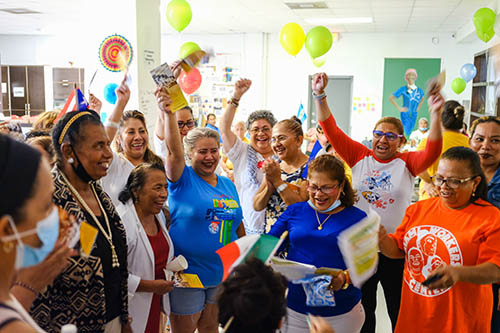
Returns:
(131, 144)
(384, 179)
(458, 234)
(284, 183)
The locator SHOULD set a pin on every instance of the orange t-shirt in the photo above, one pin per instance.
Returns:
(432, 234)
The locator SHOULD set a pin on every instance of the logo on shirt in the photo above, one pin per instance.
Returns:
(427, 248)
(221, 218)
(378, 187)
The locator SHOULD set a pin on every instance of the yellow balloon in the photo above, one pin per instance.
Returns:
(292, 38)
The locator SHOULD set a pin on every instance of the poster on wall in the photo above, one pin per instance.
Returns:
(405, 80)
(18, 91)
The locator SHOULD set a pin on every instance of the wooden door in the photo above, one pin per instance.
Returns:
(18, 90)
(36, 89)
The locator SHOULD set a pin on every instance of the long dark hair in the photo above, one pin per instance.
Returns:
(471, 159)
(137, 179)
(254, 296)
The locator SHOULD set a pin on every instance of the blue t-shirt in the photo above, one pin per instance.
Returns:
(309, 245)
(204, 219)
(215, 129)
(410, 100)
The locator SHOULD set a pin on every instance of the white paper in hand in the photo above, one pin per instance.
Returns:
(359, 247)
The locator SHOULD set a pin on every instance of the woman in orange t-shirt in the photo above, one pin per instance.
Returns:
(455, 240)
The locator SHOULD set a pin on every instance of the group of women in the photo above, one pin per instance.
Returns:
(438, 258)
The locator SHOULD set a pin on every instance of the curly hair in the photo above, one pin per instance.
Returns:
(137, 179)
(261, 114)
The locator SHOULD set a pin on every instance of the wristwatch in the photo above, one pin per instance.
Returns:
(282, 187)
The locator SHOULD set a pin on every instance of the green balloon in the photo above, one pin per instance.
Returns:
(188, 48)
(485, 36)
(179, 14)
(458, 85)
(484, 20)
(319, 40)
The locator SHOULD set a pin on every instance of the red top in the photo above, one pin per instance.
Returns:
(160, 249)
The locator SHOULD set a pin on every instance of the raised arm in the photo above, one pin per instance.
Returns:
(351, 151)
(419, 161)
(174, 162)
(111, 124)
(228, 137)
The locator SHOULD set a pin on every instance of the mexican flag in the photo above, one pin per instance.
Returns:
(261, 247)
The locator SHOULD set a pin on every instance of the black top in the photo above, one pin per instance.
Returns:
(112, 275)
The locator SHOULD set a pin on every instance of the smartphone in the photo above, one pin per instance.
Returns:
(432, 279)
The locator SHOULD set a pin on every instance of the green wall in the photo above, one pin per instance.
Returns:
(394, 72)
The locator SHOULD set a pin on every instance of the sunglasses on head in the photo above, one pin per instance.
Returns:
(389, 135)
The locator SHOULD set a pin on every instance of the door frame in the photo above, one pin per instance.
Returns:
(312, 119)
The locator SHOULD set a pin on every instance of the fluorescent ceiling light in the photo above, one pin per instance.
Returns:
(339, 20)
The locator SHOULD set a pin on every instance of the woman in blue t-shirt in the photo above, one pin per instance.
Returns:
(206, 215)
(313, 228)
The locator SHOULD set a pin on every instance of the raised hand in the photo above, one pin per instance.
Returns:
(319, 83)
(241, 87)
(435, 102)
(122, 93)
(163, 100)
(95, 103)
(176, 68)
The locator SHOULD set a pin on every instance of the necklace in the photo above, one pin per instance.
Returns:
(320, 227)
(108, 235)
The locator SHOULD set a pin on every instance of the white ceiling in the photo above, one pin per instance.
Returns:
(226, 16)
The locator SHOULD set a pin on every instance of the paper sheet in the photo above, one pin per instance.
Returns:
(359, 247)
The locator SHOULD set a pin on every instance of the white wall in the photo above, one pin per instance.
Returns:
(279, 80)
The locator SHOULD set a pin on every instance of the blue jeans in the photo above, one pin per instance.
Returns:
(495, 319)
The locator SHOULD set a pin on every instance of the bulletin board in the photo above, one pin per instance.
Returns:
(219, 73)
(394, 72)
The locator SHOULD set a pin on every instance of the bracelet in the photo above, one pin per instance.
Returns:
(347, 280)
(234, 102)
(281, 188)
(235, 99)
(320, 96)
(25, 286)
(109, 123)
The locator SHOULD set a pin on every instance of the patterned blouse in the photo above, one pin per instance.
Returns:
(77, 295)
(276, 206)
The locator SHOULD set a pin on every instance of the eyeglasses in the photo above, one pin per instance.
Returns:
(256, 130)
(328, 190)
(279, 139)
(389, 135)
(452, 183)
(189, 124)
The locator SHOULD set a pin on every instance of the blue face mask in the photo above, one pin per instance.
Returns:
(48, 232)
(423, 129)
(329, 209)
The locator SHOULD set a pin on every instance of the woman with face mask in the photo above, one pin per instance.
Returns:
(313, 228)
(284, 182)
(149, 245)
(384, 179)
(206, 215)
(29, 224)
(129, 132)
(97, 282)
(248, 158)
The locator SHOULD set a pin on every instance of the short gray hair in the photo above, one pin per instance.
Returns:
(261, 114)
(199, 133)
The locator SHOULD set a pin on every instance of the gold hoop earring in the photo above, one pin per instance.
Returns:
(8, 246)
